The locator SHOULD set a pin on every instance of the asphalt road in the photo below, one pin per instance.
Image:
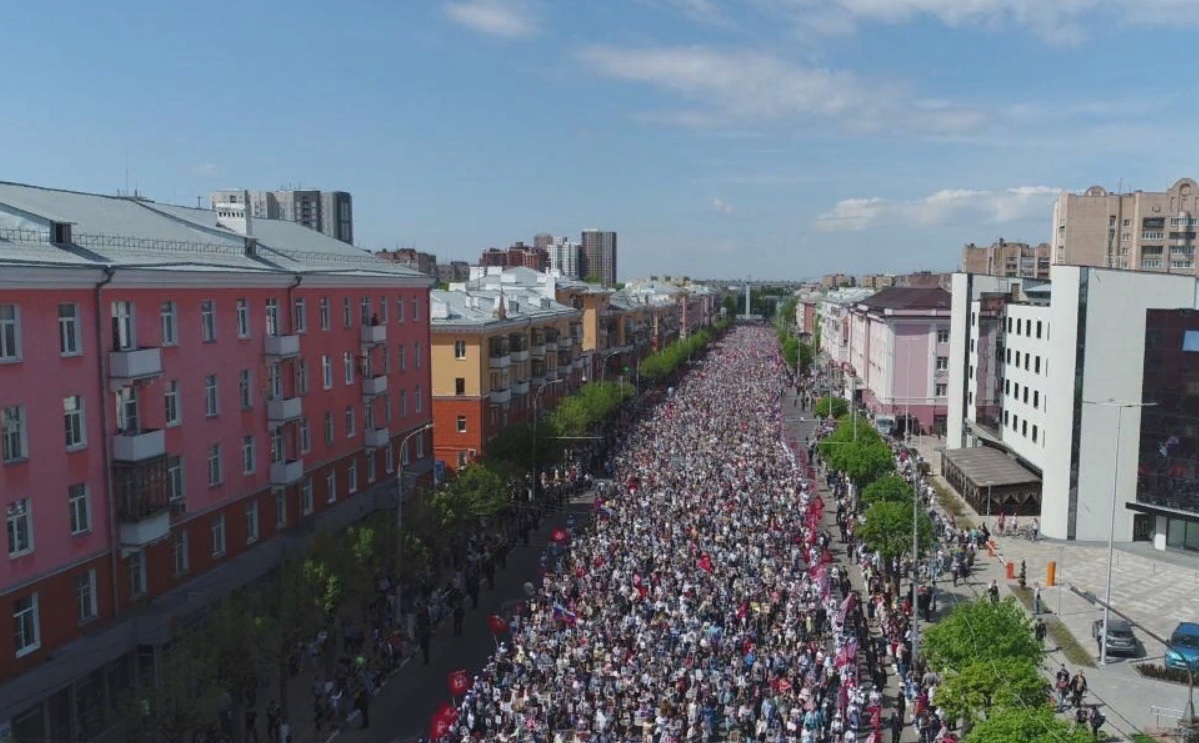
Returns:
(403, 708)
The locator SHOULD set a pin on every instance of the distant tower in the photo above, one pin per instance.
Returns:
(747, 298)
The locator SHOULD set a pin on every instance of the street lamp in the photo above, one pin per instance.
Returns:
(536, 417)
(1119, 405)
(400, 491)
(989, 484)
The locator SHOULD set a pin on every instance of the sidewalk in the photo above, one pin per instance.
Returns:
(1155, 594)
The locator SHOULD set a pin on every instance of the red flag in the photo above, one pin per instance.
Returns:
(442, 720)
(559, 536)
(459, 682)
(705, 564)
(497, 624)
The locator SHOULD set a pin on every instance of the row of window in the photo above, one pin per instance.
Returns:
(19, 519)
(1021, 326)
(1013, 389)
(1030, 361)
(1013, 422)
(70, 335)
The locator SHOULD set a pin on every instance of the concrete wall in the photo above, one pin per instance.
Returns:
(1025, 399)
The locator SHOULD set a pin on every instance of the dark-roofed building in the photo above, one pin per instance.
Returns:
(898, 356)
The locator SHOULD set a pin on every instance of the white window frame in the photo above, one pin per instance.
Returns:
(280, 508)
(172, 412)
(302, 377)
(306, 504)
(383, 310)
(305, 433)
(347, 360)
(19, 527)
(366, 308)
(70, 340)
(252, 521)
(416, 309)
(245, 389)
(74, 419)
(212, 396)
(25, 645)
(216, 529)
(271, 317)
(181, 552)
(460, 349)
(402, 356)
(942, 333)
(249, 459)
(330, 432)
(372, 467)
(420, 445)
(136, 567)
(327, 371)
(278, 446)
(216, 468)
(208, 320)
(299, 315)
(347, 313)
(87, 607)
(400, 309)
(79, 507)
(941, 363)
(168, 315)
(10, 333)
(351, 422)
(403, 404)
(389, 461)
(177, 484)
(416, 355)
(417, 399)
(125, 329)
(331, 486)
(326, 314)
(460, 424)
(352, 477)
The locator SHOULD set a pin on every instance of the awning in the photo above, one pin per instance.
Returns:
(983, 464)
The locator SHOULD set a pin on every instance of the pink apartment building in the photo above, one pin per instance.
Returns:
(897, 349)
(180, 389)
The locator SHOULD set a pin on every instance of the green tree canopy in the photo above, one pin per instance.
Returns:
(828, 405)
(1028, 725)
(979, 631)
(888, 489)
(791, 352)
(985, 687)
(591, 405)
(887, 527)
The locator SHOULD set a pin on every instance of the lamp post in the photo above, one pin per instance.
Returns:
(989, 484)
(536, 417)
(400, 492)
(1119, 405)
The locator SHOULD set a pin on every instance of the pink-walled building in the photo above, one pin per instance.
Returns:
(897, 351)
(182, 392)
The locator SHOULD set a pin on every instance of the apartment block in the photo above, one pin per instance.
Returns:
(598, 256)
(177, 408)
(328, 212)
(875, 281)
(836, 280)
(1008, 259)
(1142, 230)
(425, 263)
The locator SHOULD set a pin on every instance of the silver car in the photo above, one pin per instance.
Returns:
(1120, 639)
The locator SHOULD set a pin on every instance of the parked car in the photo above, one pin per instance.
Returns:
(1120, 639)
(1183, 649)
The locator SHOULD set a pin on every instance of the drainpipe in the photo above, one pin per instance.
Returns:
(114, 535)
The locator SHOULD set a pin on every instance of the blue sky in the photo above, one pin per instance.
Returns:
(718, 137)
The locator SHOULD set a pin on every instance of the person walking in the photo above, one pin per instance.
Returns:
(896, 723)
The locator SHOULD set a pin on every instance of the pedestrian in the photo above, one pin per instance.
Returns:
(1039, 630)
(1078, 689)
(273, 720)
(362, 702)
(896, 725)
(252, 724)
(459, 616)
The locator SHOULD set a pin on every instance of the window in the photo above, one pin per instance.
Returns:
(299, 315)
(272, 317)
(170, 323)
(403, 403)
(74, 422)
(350, 421)
(10, 333)
(416, 354)
(328, 428)
(942, 363)
(420, 445)
(347, 313)
(404, 459)
(352, 477)
(69, 342)
(1037, 365)
(214, 464)
(217, 530)
(460, 386)
(278, 446)
(306, 497)
(85, 595)
(365, 310)
(245, 389)
(382, 310)
(326, 323)
(252, 522)
(80, 509)
(137, 573)
(27, 632)
(461, 459)
(399, 309)
(415, 309)
(175, 483)
(124, 333)
(389, 464)
(181, 552)
(170, 400)
(13, 434)
(1036, 399)
(327, 371)
(208, 320)
(459, 349)
(331, 487)
(211, 398)
(940, 390)
(462, 424)
(1024, 427)
(302, 377)
(19, 517)
(371, 460)
(280, 508)
(416, 399)
(305, 437)
(403, 357)
(1034, 433)
(274, 376)
(942, 335)
(247, 455)
(348, 362)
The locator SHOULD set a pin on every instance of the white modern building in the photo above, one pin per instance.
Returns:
(1048, 377)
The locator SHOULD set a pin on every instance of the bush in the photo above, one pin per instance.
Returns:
(1160, 672)
(668, 360)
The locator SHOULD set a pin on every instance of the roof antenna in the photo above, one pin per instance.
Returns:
(126, 171)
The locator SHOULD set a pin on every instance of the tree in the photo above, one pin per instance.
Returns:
(298, 601)
(240, 636)
(184, 697)
(791, 352)
(1028, 725)
(887, 528)
(889, 489)
(861, 462)
(828, 405)
(807, 355)
(981, 631)
(479, 491)
(983, 687)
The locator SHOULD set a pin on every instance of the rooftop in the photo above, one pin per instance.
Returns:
(983, 464)
(909, 298)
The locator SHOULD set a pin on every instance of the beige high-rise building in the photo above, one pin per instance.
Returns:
(1008, 259)
(1142, 230)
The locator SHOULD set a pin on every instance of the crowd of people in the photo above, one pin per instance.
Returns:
(703, 604)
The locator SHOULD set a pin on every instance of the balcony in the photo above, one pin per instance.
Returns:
(286, 473)
(579, 363)
(537, 351)
(521, 355)
(377, 438)
(143, 502)
(501, 362)
(282, 346)
(135, 363)
(501, 397)
(372, 334)
(138, 446)
(373, 386)
(284, 409)
(520, 388)
(565, 343)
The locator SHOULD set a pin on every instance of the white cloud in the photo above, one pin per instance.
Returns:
(505, 18)
(1067, 21)
(205, 170)
(729, 87)
(720, 206)
(994, 207)
(700, 11)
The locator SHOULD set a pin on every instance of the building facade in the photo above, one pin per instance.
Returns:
(565, 257)
(176, 408)
(328, 212)
(1142, 230)
(598, 256)
(1053, 374)
(1008, 259)
(425, 263)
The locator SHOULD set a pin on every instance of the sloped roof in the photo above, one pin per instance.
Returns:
(909, 298)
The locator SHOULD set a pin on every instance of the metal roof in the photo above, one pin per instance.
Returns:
(984, 463)
(909, 298)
